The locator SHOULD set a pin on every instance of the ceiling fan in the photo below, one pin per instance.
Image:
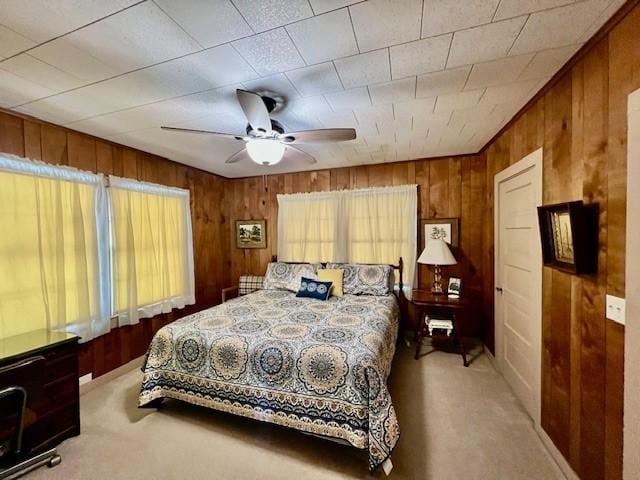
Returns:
(266, 141)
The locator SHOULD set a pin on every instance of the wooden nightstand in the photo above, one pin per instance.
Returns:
(440, 306)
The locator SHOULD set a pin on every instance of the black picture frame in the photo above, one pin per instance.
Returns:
(569, 236)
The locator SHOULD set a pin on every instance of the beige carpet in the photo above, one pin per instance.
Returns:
(456, 423)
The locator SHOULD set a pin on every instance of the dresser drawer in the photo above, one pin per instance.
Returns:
(61, 366)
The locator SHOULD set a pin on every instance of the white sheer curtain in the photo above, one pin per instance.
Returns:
(373, 225)
(308, 227)
(53, 250)
(382, 226)
(152, 251)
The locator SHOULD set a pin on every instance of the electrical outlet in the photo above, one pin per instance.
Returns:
(615, 309)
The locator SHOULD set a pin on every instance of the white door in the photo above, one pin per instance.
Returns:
(518, 272)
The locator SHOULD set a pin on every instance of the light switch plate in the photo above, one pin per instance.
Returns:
(616, 309)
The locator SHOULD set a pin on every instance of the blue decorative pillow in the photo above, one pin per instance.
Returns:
(311, 288)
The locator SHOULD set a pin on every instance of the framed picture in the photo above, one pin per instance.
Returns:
(455, 287)
(251, 233)
(440, 228)
(569, 235)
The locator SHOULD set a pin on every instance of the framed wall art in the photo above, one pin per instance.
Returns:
(251, 234)
(446, 229)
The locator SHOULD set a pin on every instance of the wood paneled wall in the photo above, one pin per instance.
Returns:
(448, 187)
(41, 141)
(581, 123)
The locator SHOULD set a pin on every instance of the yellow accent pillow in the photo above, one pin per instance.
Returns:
(333, 275)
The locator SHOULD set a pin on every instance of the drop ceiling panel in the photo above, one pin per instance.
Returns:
(267, 14)
(209, 23)
(421, 56)
(487, 42)
(444, 16)
(558, 27)
(324, 37)
(497, 72)
(364, 69)
(395, 91)
(12, 42)
(382, 23)
(414, 78)
(136, 37)
(43, 20)
(270, 52)
(446, 81)
(316, 79)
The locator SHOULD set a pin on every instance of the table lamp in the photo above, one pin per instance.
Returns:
(436, 253)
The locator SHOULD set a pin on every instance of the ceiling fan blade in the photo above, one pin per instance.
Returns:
(205, 132)
(299, 154)
(239, 155)
(319, 136)
(255, 110)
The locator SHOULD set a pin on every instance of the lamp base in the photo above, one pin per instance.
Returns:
(436, 287)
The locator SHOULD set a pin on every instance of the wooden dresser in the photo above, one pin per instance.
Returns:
(45, 364)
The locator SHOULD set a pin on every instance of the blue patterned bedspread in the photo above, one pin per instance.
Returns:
(316, 366)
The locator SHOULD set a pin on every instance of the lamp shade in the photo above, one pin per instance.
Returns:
(437, 252)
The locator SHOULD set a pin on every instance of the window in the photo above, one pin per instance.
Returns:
(152, 249)
(308, 227)
(376, 225)
(52, 273)
(71, 256)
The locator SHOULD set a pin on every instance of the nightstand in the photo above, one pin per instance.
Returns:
(442, 307)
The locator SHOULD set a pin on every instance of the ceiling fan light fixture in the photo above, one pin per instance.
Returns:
(265, 152)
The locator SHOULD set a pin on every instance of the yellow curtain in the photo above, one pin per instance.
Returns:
(49, 262)
(375, 225)
(152, 249)
(382, 227)
(308, 227)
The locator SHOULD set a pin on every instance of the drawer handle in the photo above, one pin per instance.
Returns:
(23, 363)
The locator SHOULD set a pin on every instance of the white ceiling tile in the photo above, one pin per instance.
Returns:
(164, 112)
(194, 73)
(437, 83)
(209, 23)
(421, 56)
(515, 8)
(324, 37)
(315, 80)
(395, 91)
(363, 69)
(43, 20)
(452, 101)
(267, 14)
(416, 108)
(487, 42)
(548, 62)
(344, 119)
(39, 72)
(15, 90)
(322, 6)
(497, 72)
(422, 123)
(444, 16)
(512, 92)
(606, 14)
(275, 86)
(12, 42)
(349, 99)
(66, 56)
(137, 37)
(464, 116)
(558, 27)
(270, 52)
(301, 113)
(381, 23)
(369, 116)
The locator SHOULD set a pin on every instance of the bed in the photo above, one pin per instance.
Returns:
(320, 367)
